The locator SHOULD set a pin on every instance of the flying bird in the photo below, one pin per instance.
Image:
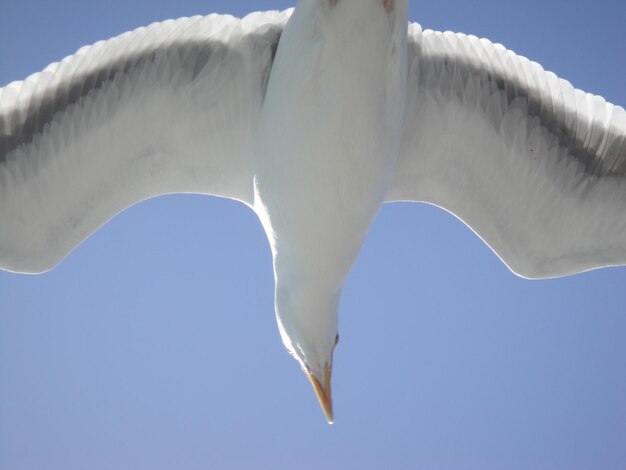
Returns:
(314, 117)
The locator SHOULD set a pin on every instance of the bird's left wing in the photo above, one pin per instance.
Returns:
(535, 167)
(167, 108)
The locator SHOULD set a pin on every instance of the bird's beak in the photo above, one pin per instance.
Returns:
(322, 390)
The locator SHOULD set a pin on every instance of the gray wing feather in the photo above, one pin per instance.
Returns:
(535, 167)
(163, 109)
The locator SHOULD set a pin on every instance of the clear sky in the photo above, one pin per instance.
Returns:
(154, 345)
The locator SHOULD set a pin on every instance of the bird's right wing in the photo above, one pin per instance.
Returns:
(535, 167)
(167, 108)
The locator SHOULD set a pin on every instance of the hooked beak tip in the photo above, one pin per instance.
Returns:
(323, 392)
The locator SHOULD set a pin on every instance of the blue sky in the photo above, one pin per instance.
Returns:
(154, 345)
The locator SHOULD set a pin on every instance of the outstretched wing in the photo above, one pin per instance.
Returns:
(535, 167)
(163, 109)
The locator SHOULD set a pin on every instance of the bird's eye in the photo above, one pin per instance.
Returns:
(336, 339)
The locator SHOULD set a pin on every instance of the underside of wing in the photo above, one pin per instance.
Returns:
(535, 167)
(163, 109)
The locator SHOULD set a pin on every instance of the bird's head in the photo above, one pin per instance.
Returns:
(307, 321)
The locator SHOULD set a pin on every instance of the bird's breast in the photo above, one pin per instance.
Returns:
(327, 134)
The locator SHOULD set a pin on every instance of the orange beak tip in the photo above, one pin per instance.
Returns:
(323, 393)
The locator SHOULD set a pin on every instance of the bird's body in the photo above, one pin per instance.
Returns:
(325, 156)
(314, 119)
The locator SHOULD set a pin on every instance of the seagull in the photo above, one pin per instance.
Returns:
(314, 117)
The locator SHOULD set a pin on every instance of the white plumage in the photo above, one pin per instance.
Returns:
(357, 112)
(531, 164)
